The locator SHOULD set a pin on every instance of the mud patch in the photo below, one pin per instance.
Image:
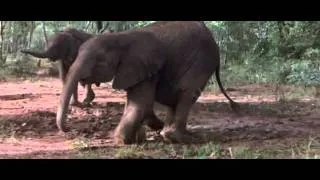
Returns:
(16, 97)
(33, 124)
(28, 128)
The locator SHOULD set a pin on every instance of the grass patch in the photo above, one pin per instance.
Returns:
(294, 92)
(302, 149)
(22, 66)
(245, 153)
(80, 144)
(210, 150)
(307, 150)
(130, 152)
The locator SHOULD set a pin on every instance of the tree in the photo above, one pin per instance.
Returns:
(2, 27)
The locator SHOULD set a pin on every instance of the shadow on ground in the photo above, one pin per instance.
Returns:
(17, 97)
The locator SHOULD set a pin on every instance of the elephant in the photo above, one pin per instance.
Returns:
(64, 46)
(168, 62)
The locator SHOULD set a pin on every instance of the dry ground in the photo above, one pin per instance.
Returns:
(265, 129)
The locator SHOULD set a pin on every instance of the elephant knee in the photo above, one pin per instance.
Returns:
(196, 94)
(132, 119)
(191, 95)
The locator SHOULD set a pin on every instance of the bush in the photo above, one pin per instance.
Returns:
(20, 66)
(304, 73)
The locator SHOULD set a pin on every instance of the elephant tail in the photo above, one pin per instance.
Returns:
(234, 106)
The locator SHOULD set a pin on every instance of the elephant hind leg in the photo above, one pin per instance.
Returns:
(175, 130)
(89, 95)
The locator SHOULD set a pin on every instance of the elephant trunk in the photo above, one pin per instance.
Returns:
(35, 54)
(71, 83)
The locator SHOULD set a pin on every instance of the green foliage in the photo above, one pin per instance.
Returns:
(304, 73)
(282, 52)
(268, 52)
(19, 67)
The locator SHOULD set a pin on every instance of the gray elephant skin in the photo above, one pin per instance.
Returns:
(166, 62)
(64, 46)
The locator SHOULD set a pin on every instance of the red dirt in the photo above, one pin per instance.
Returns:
(27, 117)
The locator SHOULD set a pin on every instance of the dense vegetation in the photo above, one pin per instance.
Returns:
(278, 52)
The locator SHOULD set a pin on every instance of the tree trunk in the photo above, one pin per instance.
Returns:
(280, 30)
(31, 33)
(88, 25)
(45, 33)
(2, 26)
(99, 25)
(26, 27)
(284, 31)
(8, 44)
(317, 94)
(45, 38)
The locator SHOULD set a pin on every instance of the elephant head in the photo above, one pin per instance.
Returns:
(128, 57)
(62, 46)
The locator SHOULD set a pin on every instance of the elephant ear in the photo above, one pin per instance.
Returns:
(141, 62)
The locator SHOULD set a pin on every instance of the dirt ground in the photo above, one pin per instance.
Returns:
(288, 129)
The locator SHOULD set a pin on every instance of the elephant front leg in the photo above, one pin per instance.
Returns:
(89, 95)
(140, 99)
(127, 132)
(74, 99)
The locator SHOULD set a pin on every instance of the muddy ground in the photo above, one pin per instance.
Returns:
(266, 128)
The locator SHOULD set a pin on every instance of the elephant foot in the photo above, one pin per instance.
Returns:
(183, 136)
(63, 128)
(67, 135)
(63, 133)
(86, 103)
(123, 138)
(75, 103)
(90, 97)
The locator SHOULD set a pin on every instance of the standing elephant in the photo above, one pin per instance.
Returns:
(64, 46)
(166, 62)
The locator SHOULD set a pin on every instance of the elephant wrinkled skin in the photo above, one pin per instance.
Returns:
(165, 62)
